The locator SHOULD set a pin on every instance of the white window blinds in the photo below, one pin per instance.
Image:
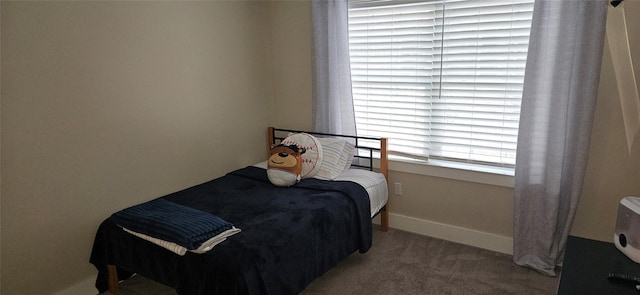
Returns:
(441, 79)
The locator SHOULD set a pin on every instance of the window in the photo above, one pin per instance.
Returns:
(441, 79)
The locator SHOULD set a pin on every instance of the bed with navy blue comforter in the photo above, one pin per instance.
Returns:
(289, 237)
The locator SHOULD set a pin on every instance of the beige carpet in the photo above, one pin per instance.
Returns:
(404, 263)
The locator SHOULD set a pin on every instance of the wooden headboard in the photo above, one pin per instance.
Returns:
(368, 148)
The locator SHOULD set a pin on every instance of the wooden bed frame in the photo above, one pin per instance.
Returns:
(275, 135)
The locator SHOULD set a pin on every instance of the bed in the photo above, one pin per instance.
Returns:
(287, 236)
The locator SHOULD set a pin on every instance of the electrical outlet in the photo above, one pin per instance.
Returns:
(398, 188)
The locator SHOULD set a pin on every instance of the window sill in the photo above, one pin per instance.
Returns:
(458, 171)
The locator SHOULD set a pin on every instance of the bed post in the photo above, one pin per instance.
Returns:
(384, 169)
(112, 279)
(270, 139)
(384, 158)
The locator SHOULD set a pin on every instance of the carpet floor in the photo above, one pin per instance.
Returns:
(405, 263)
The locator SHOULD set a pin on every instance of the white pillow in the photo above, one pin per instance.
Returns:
(349, 153)
(313, 156)
(337, 156)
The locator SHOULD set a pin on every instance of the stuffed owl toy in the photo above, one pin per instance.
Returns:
(285, 165)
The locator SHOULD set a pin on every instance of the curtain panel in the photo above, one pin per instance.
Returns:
(559, 97)
(331, 77)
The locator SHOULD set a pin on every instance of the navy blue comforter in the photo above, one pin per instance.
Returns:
(289, 237)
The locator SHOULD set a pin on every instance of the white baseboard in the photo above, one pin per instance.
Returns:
(471, 237)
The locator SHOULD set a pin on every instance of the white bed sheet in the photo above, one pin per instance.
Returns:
(373, 182)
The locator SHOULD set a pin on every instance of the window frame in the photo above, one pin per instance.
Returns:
(474, 171)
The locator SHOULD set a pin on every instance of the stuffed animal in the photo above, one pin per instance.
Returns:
(285, 164)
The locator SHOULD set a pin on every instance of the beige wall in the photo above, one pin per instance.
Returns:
(612, 171)
(107, 104)
(291, 43)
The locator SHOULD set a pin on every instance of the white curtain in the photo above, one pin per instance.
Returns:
(332, 98)
(559, 97)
